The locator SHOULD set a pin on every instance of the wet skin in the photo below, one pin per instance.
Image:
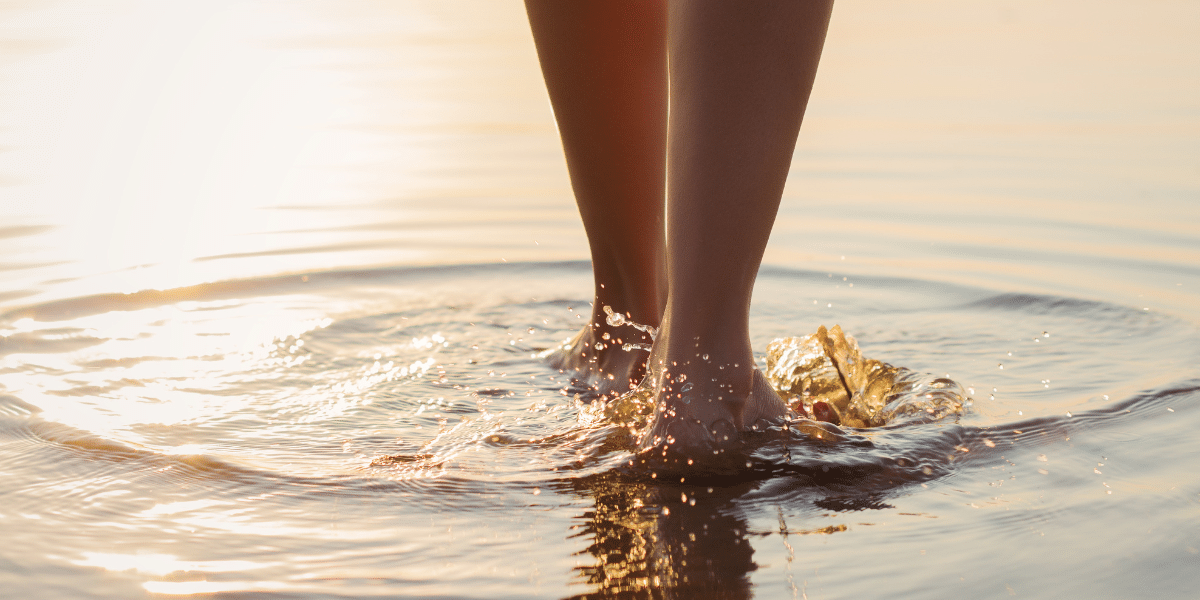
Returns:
(740, 77)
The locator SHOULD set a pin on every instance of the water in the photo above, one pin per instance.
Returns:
(273, 275)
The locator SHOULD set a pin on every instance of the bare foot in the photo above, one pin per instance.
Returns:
(609, 359)
(703, 400)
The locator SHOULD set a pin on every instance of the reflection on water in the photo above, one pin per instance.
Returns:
(645, 539)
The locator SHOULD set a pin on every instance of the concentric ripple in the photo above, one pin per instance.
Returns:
(319, 435)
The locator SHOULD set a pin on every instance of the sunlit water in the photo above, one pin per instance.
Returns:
(275, 276)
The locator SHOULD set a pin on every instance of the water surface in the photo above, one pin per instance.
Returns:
(272, 274)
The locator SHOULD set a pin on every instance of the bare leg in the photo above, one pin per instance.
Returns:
(741, 73)
(605, 68)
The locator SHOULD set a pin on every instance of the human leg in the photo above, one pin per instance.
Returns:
(740, 75)
(604, 63)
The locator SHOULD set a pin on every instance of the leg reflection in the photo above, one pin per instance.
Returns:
(663, 541)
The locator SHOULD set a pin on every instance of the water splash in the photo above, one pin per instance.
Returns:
(825, 381)
(825, 375)
(616, 319)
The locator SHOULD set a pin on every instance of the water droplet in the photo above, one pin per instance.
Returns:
(605, 336)
(683, 497)
(600, 346)
(687, 387)
(537, 491)
(704, 357)
(682, 378)
(614, 319)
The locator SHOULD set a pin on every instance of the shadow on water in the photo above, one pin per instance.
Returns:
(653, 538)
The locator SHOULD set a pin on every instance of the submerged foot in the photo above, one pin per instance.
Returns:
(702, 405)
(609, 360)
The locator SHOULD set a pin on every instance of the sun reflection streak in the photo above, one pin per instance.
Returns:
(161, 564)
(166, 144)
(189, 588)
(179, 135)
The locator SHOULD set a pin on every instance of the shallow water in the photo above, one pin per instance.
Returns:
(274, 273)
